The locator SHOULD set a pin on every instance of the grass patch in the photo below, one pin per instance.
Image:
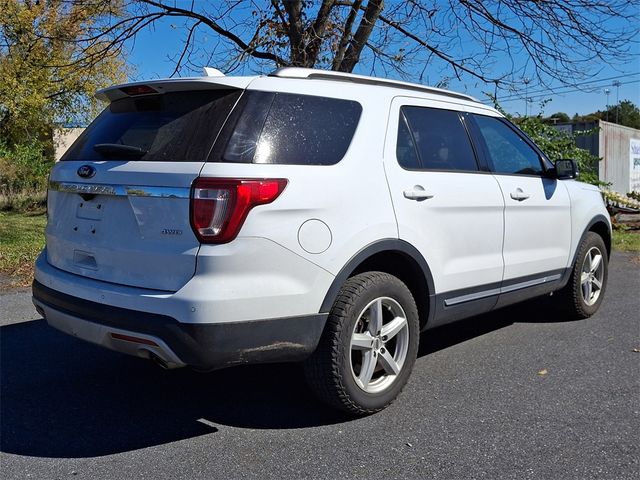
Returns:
(21, 239)
(626, 240)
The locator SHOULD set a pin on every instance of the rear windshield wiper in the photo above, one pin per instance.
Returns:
(113, 149)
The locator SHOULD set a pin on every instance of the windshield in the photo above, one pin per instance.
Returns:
(176, 126)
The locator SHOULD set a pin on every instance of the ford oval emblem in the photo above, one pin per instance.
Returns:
(86, 171)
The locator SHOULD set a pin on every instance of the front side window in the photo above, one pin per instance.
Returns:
(507, 151)
(284, 128)
(433, 139)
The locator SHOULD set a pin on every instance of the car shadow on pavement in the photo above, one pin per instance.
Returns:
(538, 310)
(61, 397)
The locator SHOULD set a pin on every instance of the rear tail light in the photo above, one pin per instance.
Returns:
(219, 206)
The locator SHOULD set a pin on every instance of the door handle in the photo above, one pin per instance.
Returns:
(417, 193)
(519, 195)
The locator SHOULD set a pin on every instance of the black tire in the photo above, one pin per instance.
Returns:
(330, 372)
(572, 297)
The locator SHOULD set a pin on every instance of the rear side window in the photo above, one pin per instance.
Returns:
(175, 126)
(284, 128)
(508, 152)
(433, 139)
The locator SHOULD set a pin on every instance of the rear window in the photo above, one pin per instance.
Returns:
(284, 128)
(433, 139)
(176, 126)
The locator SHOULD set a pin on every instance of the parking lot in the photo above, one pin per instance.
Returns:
(518, 393)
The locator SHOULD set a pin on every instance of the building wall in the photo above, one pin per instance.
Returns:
(615, 149)
(63, 138)
(615, 145)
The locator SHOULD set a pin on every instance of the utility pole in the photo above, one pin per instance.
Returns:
(526, 81)
(617, 85)
(607, 91)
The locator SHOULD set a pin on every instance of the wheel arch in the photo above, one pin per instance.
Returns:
(600, 226)
(398, 258)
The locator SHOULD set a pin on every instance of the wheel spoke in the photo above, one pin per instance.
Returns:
(595, 262)
(597, 283)
(369, 362)
(388, 363)
(361, 341)
(375, 317)
(584, 278)
(586, 290)
(392, 328)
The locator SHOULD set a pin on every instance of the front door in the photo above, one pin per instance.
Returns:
(537, 217)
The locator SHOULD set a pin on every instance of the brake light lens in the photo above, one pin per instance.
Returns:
(134, 90)
(219, 206)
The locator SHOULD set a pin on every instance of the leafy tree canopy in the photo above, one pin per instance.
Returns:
(624, 113)
(48, 75)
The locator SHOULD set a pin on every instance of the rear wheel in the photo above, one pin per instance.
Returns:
(369, 345)
(584, 293)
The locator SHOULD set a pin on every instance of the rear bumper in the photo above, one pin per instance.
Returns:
(201, 345)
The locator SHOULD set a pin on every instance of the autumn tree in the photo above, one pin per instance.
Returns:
(48, 72)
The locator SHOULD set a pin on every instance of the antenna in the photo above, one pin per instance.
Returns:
(212, 72)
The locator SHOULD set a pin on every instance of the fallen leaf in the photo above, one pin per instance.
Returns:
(544, 371)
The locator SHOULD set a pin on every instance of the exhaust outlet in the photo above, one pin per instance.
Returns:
(158, 361)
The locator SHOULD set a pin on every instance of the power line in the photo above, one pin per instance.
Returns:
(574, 86)
(558, 92)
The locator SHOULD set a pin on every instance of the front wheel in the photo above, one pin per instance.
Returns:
(369, 345)
(585, 290)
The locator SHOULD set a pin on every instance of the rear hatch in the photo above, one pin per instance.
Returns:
(118, 200)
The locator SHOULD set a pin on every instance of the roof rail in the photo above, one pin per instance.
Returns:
(311, 73)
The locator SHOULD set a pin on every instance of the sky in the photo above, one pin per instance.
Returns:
(152, 54)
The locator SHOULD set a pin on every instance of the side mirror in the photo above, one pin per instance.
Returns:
(566, 169)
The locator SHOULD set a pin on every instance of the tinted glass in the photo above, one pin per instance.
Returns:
(293, 129)
(440, 138)
(178, 126)
(508, 152)
(405, 147)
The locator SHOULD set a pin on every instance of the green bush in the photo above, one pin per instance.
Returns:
(558, 145)
(24, 170)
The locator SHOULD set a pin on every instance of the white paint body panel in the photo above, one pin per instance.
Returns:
(586, 204)
(247, 279)
(537, 236)
(120, 239)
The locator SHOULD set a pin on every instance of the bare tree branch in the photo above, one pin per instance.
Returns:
(219, 30)
(371, 14)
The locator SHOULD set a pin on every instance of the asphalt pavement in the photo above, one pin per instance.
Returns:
(520, 393)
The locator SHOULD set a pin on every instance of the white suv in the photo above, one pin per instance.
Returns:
(307, 216)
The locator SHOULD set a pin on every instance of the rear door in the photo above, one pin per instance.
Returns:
(119, 199)
(445, 205)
